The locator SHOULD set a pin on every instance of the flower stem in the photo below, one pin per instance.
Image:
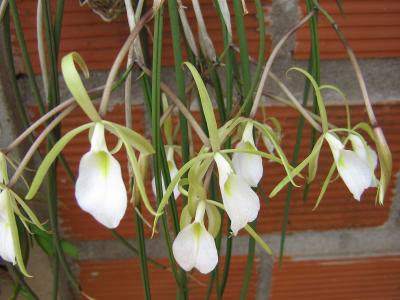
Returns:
(244, 52)
(249, 265)
(144, 270)
(37, 143)
(179, 75)
(119, 59)
(271, 59)
(159, 159)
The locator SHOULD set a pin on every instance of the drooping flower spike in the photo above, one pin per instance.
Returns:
(100, 189)
(356, 168)
(194, 246)
(240, 201)
(248, 166)
(172, 172)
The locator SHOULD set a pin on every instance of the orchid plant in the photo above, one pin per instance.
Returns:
(219, 180)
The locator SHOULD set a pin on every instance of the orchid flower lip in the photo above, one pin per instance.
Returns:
(240, 201)
(248, 165)
(353, 166)
(194, 246)
(100, 189)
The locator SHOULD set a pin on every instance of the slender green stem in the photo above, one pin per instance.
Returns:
(54, 93)
(227, 264)
(315, 72)
(56, 273)
(20, 280)
(25, 56)
(244, 52)
(271, 59)
(219, 95)
(295, 158)
(9, 58)
(159, 159)
(261, 58)
(31, 76)
(214, 275)
(58, 25)
(249, 265)
(144, 270)
(179, 75)
(131, 247)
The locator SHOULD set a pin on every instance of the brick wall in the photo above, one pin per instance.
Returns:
(343, 250)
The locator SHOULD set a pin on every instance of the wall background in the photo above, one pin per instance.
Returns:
(345, 249)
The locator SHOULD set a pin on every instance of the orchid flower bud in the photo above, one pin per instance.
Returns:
(194, 246)
(240, 201)
(248, 166)
(355, 168)
(173, 170)
(100, 189)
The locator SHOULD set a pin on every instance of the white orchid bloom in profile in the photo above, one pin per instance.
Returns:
(366, 153)
(100, 189)
(173, 170)
(355, 167)
(7, 251)
(240, 201)
(248, 166)
(194, 246)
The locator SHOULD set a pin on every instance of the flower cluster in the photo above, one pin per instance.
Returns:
(100, 189)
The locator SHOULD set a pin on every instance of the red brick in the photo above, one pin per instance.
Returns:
(98, 42)
(120, 279)
(351, 279)
(371, 27)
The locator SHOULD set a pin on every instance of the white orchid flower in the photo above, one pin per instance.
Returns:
(100, 189)
(7, 251)
(194, 246)
(173, 170)
(355, 167)
(240, 201)
(366, 153)
(248, 166)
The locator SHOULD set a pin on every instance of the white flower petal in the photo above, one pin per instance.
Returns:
(173, 172)
(194, 247)
(366, 153)
(249, 166)
(224, 169)
(207, 256)
(7, 251)
(185, 247)
(241, 202)
(355, 172)
(97, 141)
(100, 190)
(3, 206)
(335, 144)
